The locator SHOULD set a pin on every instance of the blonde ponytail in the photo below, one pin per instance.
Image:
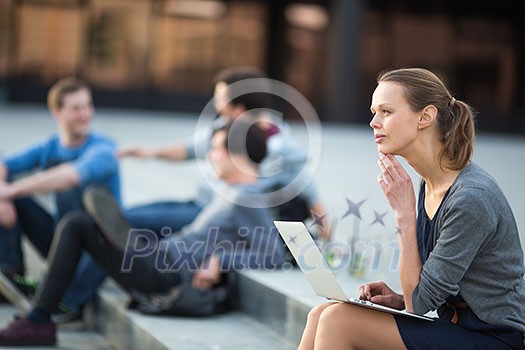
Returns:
(458, 135)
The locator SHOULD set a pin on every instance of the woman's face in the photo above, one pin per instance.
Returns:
(395, 124)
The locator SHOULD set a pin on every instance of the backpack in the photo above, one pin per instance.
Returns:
(185, 300)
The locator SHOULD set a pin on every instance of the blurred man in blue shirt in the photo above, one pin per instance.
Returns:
(62, 164)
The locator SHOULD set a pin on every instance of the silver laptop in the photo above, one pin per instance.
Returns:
(316, 270)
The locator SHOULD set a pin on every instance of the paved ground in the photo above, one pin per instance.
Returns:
(347, 169)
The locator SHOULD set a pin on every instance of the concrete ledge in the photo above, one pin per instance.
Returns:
(116, 323)
(280, 300)
(273, 306)
(126, 329)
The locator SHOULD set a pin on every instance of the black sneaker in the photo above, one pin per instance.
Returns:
(9, 272)
(106, 213)
(12, 293)
(27, 285)
(64, 314)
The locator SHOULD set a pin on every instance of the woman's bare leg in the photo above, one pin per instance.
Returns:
(308, 338)
(346, 326)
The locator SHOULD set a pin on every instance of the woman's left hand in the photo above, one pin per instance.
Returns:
(380, 293)
(397, 187)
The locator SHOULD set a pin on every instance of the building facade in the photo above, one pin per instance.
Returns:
(163, 54)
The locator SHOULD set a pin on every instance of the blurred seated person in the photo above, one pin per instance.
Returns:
(62, 164)
(184, 269)
(283, 164)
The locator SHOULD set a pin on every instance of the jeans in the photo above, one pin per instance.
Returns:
(39, 226)
(88, 277)
(77, 232)
(162, 216)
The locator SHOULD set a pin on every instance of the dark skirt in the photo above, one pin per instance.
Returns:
(441, 334)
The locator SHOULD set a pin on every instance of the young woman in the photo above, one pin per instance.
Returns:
(460, 252)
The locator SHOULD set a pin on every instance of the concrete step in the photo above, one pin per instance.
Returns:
(272, 311)
(127, 329)
(282, 299)
(119, 328)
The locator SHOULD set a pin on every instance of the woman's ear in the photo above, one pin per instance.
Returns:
(428, 116)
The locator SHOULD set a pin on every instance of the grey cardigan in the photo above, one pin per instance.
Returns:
(477, 253)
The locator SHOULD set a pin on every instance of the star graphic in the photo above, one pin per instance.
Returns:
(399, 231)
(353, 208)
(379, 218)
(291, 239)
(318, 219)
